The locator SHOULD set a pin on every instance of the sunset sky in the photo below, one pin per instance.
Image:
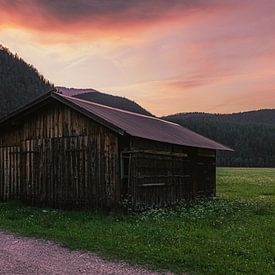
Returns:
(169, 56)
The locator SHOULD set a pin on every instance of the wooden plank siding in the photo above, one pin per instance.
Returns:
(65, 160)
(164, 174)
(64, 173)
(10, 179)
(50, 121)
(159, 180)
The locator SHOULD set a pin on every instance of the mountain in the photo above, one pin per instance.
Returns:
(105, 99)
(19, 82)
(250, 134)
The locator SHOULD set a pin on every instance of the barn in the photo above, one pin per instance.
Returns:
(64, 152)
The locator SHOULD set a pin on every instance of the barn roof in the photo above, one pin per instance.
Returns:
(134, 124)
(143, 126)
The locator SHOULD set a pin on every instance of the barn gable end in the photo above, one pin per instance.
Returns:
(58, 157)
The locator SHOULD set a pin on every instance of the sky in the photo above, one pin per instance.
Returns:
(169, 56)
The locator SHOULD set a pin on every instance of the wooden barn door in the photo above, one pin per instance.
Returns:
(55, 172)
(159, 179)
(10, 172)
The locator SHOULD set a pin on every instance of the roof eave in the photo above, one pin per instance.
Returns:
(26, 107)
(219, 147)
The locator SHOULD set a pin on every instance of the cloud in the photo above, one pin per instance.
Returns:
(73, 20)
(104, 10)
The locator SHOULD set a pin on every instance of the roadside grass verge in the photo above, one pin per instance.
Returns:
(232, 234)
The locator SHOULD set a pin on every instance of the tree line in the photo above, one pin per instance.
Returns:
(254, 143)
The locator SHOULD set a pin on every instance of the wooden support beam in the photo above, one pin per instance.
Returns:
(161, 153)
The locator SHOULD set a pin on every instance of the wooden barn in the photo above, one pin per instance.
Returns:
(64, 152)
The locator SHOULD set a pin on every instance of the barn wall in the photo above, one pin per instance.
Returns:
(65, 160)
(164, 174)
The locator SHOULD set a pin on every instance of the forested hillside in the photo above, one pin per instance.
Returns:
(19, 82)
(105, 99)
(266, 116)
(251, 135)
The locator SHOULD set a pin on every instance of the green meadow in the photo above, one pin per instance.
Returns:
(231, 234)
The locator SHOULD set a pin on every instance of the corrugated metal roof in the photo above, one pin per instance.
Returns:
(142, 126)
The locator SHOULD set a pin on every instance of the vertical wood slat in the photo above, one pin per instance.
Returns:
(6, 183)
(1, 174)
(85, 170)
(4, 172)
(9, 175)
(11, 172)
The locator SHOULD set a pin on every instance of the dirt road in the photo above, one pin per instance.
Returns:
(20, 255)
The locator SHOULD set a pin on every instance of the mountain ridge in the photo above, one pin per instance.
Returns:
(105, 99)
(261, 116)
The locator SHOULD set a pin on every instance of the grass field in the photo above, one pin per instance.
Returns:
(233, 234)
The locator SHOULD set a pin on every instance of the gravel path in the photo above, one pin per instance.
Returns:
(20, 255)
